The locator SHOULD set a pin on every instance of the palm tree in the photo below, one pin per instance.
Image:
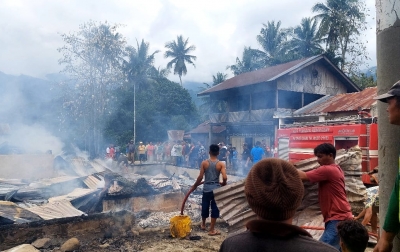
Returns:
(219, 106)
(178, 50)
(271, 39)
(137, 70)
(340, 19)
(305, 42)
(139, 64)
(252, 60)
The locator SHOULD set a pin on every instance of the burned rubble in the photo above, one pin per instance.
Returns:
(88, 198)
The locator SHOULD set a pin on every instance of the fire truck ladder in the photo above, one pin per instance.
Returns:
(366, 148)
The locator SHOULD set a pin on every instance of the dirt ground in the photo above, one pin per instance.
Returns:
(158, 240)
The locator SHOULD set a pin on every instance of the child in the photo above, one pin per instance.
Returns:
(353, 236)
(210, 169)
(331, 192)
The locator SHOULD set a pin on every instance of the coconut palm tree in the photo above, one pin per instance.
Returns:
(304, 41)
(139, 65)
(252, 60)
(138, 69)
(179, 52)
(339, 20)
(209, 106)
(271, 39)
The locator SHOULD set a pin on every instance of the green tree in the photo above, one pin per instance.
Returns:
(341, 22)
(179, 52)
(251, 60)
(139, 65)
(364, 81)
(305, 42)
(209, 106)
(163, 106)
(138, 70)
(271, 39)
(92, 59)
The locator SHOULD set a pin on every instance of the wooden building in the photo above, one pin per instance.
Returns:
(253, 99)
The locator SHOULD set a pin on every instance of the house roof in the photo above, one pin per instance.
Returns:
(274, 72)
(205, 128)
(340, 103)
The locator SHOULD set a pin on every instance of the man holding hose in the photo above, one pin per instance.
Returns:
(210, 169)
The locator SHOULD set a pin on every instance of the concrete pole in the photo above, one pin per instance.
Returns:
(388, 72)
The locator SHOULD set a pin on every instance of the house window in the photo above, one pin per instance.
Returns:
(241, 103)
(289, 99)
(263, 100)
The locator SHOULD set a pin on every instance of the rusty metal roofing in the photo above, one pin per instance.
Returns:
(274, 72)
(204, 128)
(56, 210)
(341, 103)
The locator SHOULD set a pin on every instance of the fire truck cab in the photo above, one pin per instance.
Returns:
(297, 142)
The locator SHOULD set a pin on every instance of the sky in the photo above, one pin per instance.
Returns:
(31, 30)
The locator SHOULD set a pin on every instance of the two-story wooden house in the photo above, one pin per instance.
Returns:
(253, 99)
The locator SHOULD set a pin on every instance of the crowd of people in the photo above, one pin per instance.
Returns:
(274, 191)
(180, 153)
(188, 154)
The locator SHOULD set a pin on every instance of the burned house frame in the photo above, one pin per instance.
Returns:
(251, 100)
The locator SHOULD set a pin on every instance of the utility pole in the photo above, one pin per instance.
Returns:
(134, 114)
(388, 65)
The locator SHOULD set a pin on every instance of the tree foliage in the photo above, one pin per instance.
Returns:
(163, 106)
(179, 52)
(209, 106)
(251, 60)
(139, 64)
(341, 22)
(304, 41)
(92, 58)
(364, 81)
(334, 31)
(271, 40)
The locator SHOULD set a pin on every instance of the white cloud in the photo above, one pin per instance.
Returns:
(219, 29)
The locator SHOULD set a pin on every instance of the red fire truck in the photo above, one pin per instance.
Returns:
(297, 142)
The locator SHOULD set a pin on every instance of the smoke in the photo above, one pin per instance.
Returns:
(32, 139)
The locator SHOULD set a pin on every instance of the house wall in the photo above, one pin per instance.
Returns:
(315, 79)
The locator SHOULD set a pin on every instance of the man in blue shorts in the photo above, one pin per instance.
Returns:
(210, 169)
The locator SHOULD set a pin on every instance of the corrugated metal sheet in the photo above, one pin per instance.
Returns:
(234, 209)
(76, 193)
(204, 128)
(259, 76)
(56, 210)
(47, 182)
(92, 182)
(274, 72)
(16, 214)
(341, 102)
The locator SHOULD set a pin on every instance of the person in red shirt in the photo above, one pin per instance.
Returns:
(331, 192)
(112, 152)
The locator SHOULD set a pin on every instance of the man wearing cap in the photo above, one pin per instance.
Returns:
(274, 191)
(142, 152)
(391, 225)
